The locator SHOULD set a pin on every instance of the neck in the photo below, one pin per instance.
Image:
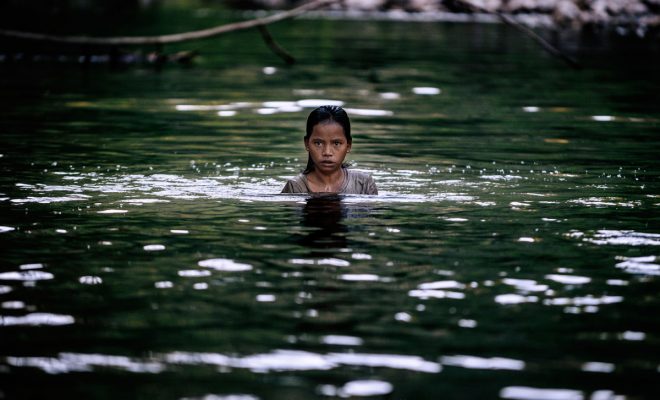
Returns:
(326, 182)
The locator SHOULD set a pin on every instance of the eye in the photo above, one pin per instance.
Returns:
(337, 142)
(317, 143)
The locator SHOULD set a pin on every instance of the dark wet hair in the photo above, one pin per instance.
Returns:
(326, 115)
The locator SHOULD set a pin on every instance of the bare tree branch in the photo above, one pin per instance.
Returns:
(173, 38)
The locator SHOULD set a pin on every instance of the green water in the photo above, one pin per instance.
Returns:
(512, 252)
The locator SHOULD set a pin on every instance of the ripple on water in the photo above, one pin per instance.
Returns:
(140, 188)
(224, 264)
(601, 367)
(513, 298)
(526, 285)
(13, 305)
(601, 202)
(618, 237)
(90, 280)
(362, 388)
(425, 294)
(194, 273)
(4, 229)
(337, 262)
(441, 285)
(645, 265)
(341, 340)
(360, 277)
(426, 90)
(154, 247)
(30, 266)
(37, 319)
(568, 279)
(530, 393)
(473, 362)
(28, 275)
(276, 360)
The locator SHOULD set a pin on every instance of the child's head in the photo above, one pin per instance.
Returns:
(327, 115)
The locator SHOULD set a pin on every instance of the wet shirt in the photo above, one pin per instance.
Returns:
(355, 182)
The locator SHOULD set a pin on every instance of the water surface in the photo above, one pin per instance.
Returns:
(511, 253)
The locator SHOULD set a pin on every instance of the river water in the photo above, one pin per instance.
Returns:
(512, 251)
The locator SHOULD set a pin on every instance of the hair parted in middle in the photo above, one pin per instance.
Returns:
(326, 115)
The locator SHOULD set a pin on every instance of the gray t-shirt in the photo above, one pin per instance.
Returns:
(356, 182)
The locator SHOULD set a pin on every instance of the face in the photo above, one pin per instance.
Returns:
(327, 146)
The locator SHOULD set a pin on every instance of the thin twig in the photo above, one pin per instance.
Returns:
(544, 43)
(168, 39)
(274, 46)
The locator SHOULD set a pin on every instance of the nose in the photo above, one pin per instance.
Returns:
(327, 151)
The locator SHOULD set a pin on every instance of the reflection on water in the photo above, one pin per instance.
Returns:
(324, 214)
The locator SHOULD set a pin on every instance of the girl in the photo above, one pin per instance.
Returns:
(328, 140)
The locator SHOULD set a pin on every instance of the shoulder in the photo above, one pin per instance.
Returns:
(361, 182)
(296, 185)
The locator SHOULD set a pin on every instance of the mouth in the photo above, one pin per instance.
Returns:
(327, 163)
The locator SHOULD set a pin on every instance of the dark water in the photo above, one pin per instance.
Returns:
(512, 252)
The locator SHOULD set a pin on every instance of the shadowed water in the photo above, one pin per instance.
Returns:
(512, 250)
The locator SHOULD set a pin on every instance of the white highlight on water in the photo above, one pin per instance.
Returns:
(441, 285)
(527, 285)
(436, 294)
(266, 298)
(403, 317)
(601, 367)
(341, 340)
(364, 388)
(467, 323)
(603, 118)
(37, 319)
(361, 256)
(224, 264)
(369, 112)
(90, 280)
(633, 336)
(313, 103)
(13, 305)
(618, 237)
(473, 362)
(154, 247)
(530, 393)
(568, 279)
(28, 276)
(193, 273)
(111, 211)
(163, 285)
(426, 90)
(512, 298)
(360, 277)
(30, 266)
(412, 363)
(390, 95)
(645, 265)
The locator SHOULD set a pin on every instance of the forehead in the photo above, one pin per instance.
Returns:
(328, 130)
